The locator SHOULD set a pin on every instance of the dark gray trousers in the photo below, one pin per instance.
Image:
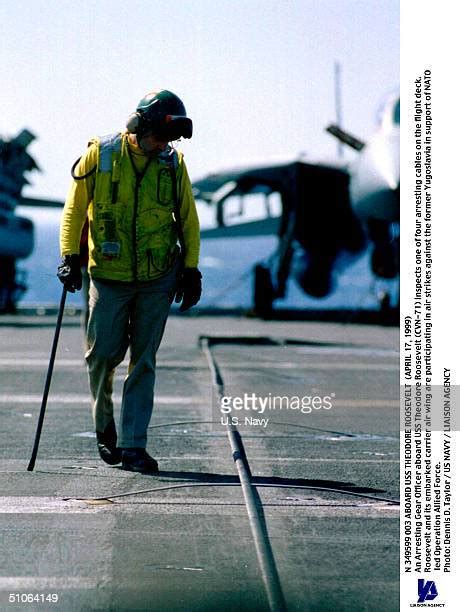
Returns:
(123, 315)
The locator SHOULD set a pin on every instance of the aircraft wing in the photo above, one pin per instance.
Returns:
(316, 194)
(215, 188)
(40, 202)
(240, 181)
(261, 227)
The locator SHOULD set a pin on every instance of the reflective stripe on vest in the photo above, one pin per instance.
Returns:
(107, 146)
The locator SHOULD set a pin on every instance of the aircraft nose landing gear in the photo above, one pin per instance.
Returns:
(264, 293)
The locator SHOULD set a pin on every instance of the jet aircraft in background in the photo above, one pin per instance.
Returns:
(16, 232)
(327, 210)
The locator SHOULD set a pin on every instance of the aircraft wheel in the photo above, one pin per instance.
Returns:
(387, 314)
(263, 291)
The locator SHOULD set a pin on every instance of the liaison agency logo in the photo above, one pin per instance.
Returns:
(253, 409)
(427, 591)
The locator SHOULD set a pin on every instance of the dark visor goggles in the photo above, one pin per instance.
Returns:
(172, 127)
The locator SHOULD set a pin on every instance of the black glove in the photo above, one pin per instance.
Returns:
(189, 288)
(69, 273)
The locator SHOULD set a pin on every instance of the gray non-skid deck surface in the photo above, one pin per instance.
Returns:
(191, 548)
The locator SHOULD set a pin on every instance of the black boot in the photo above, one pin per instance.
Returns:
(138, 460)
(107, 444)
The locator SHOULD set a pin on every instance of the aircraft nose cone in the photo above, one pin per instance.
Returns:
(386, 163)
(374, 185)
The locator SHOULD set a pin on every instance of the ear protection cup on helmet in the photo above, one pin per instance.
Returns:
(132, 123)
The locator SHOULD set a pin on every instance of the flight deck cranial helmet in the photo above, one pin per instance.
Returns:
(162, 114)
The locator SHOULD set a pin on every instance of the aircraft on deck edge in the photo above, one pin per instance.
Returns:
(326, 210)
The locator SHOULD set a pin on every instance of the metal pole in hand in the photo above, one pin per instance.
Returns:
(48, 381)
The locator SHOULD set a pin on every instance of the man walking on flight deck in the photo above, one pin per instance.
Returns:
(135, 191)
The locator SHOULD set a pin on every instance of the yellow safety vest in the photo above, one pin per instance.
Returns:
(132, 229)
